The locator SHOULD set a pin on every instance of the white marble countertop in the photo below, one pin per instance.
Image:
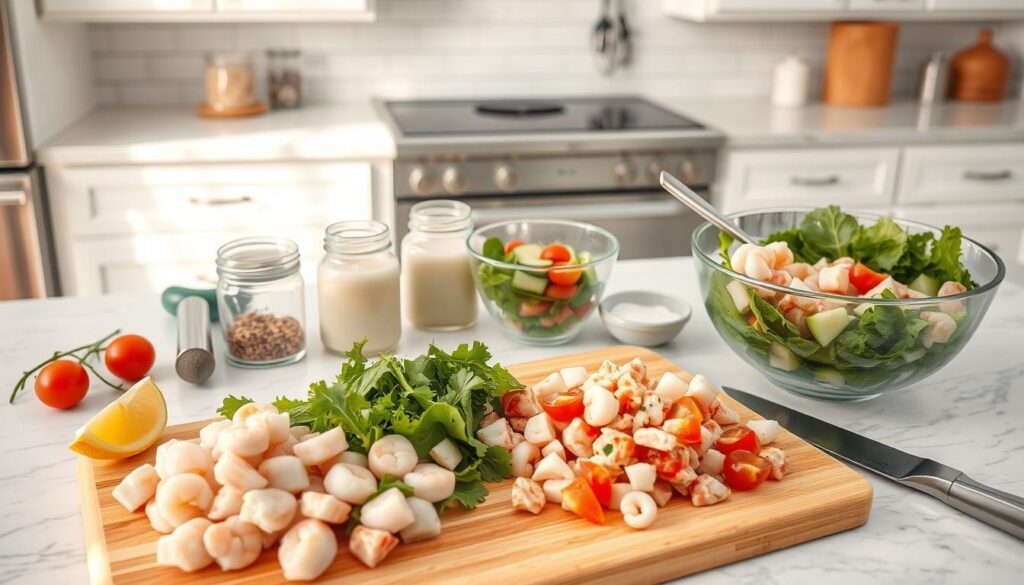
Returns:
(967, 416)
(752, 123)
(137, 135)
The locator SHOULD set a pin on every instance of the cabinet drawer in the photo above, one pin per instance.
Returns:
(147, 263)
(853, 177)
(147, 199)
(962, 173)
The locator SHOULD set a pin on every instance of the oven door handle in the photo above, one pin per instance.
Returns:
(582, 212)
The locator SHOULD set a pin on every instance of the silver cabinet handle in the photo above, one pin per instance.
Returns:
(814, 181)
(1002, 175)
(220, 200)
(13, 198)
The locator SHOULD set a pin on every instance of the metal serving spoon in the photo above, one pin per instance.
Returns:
(688, 197)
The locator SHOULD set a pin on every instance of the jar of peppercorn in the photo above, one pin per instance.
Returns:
(260, 295)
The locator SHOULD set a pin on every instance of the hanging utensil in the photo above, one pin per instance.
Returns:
(605, 41)
(624, 45)
(691, 199)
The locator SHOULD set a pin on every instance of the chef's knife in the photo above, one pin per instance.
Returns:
(950, 486)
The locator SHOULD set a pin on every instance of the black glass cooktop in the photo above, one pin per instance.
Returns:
(453, 117)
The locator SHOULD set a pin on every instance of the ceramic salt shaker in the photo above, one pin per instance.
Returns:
(791, 83)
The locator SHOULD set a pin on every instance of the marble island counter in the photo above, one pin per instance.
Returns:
(967, 416)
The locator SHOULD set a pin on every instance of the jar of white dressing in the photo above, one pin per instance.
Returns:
(437, 278)
(358, 288)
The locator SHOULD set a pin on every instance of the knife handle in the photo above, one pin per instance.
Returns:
(999, 509)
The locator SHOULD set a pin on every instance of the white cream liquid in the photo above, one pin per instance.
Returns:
(438, 289)
(361, 300)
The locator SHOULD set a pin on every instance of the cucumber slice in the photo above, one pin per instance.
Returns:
(862, 308)
(829, 376)
(740, 298)
(781, 358)
(527, 252)
(529, 282)
(914, 355)
(827, 325)
(880, 287)
(926, 285)
(589, 274)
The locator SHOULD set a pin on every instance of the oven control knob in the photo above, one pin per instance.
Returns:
(624, 172)
(654, 172)
(421, 180)
(689, 170)
(453, 180)
(506, 178)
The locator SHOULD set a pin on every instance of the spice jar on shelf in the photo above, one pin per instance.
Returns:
(229, 82)
(437, 278)
(358, 288)
(260, 295)
(284, 76)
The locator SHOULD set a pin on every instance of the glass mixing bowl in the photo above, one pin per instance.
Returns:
(845, 369)
(536, 317)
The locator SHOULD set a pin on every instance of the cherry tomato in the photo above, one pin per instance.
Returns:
(130, 357)
(686, 429)
(736, 439)
(556, 253)
(864, 279)
(533, 308)
(518, 403)
(562, 293)
(689, 406)
(579, 498)
(563, 313)
(600, 480)
(564, 407)
(512, 245)
(62, 384)
(667, 464)
(751, 320)
(564, 276)
(744, 471)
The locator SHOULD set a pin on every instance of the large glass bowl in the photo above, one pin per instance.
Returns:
(534, 318)
(841, 370)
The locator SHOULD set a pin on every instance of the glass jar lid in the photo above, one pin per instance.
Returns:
(440, 215)
(356, 237)
(257, 259)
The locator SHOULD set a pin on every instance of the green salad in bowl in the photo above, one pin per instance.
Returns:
(844, 306)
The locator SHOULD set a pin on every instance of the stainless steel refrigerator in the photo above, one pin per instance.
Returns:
(27, 268)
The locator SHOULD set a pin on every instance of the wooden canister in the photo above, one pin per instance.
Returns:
(858, 69)
(980, 72)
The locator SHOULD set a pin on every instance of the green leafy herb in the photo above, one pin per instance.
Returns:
(880, 246)
(494, 248)
(608, 449)
(828, 232)
(232, 404)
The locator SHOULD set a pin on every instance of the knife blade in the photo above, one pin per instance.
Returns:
(950, 486)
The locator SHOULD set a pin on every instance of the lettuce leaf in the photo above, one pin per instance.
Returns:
(828, 232)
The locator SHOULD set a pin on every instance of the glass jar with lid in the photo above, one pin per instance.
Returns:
(358, 288)
(260, 295)
(284, 76)
(437, 278)
(229, 82)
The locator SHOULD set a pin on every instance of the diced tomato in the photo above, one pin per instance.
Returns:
(667, 464)
(744, 471)
(584, 309)
(626, 403)
(518, 403)
(560, 292)
(863, 278)
(600, 480)
(564, 276)
(751, 319)
(579, 498)
(558, 318)
(533, 308)
(564, 407)
(689, 404)
(556, 253)
(512, 245)
(738, 439)
(589, 430)
(686, 429)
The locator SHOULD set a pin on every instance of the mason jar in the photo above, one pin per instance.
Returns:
(284, 78)
(358, 288)
(260, 294)
(437, 279)
(228, 81)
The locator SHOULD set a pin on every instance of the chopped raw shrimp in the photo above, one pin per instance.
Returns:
(753, 261)
(661, 493)
(940, 330)
(781, 254)
(234, 543)
(183, 497)
(243, 440)
(655, 408)
(799, 270)
(426, 525)
(137, 488)
(706, 490)
(579, 438)
(184, 457)
(798, 317)
(496, 434)
(208, 435)
(723, 414)
(615, 448)
(227, 502)
(524, 455)
(184, 547)
(285, 448)
(388, 511)
(948, 289)
(518, 423)
(231, 470)
(601, 407)
(156, 520)
(306, 550)
(392, 455)
(712, 462)
(527, 495)
(638, 509)
(370, 545)
(834, 279)
(270, 509)
(766, 430)
(622, 423)
(299, 431)
(313, 450)
(324, 507)
(777, 458)
(434, 483)
(350, 483)
(489, 418)
(654, 439)
(540, 429)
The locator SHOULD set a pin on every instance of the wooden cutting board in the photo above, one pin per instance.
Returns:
(496, 544)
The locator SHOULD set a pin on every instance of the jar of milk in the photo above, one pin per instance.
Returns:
(358, 288)
(437, 278)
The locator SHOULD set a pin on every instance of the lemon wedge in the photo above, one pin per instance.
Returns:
(126, 426)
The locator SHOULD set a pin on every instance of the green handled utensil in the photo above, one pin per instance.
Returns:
(173, 295)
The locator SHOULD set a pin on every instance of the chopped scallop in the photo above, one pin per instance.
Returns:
(426, 524)
(703, 390)
(496, 434)
(555, 447)
(321, 447)
(552, 467)
(388, 511)
(270, 509)
(285, 472)
(231, 470)
(641, 476)
(137, 488)
(578, 438)
(524, 456)
(446, 454)
(370, 545)
(670, 388)
(553, 384)
(712, 462)
(766, 430)
(324, 507)
(722, 413)
(553, 489)
(527, 495)
(573, 377)
(540, 429)
(618, 491)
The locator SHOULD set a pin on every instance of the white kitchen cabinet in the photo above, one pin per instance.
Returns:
(858, 178)
(886, 5)
(143, 227)
(959, 173)
(826, 10)
(974, 5)
(209, 10)
(98, 8)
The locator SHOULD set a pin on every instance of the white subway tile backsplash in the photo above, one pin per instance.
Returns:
(435, 48)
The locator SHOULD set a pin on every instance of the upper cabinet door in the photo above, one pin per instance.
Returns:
(887, 5)
(976, 5)
(122, 7)
(751, 6)
(294, 6)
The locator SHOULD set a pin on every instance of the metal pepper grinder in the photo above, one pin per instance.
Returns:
(195, 362)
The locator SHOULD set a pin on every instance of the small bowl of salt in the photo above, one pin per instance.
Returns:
(644, 318)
